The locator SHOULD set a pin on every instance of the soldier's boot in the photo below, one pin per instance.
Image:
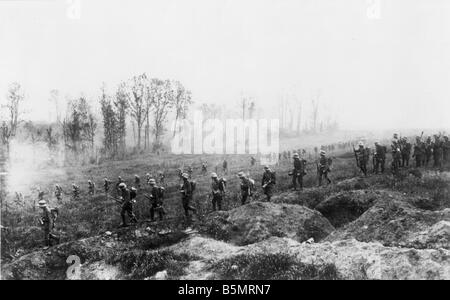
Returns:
(152, 214)
(214, 205)
(124, 222)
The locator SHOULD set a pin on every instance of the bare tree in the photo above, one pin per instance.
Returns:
(14, 97)
(136, 96)
(121, 109)
(162, 96)
(315, 111)
(182, 101)
(54, 99)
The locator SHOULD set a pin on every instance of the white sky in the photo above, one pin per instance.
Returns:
(373, 73)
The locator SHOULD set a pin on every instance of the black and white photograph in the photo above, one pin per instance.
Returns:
(203, 142)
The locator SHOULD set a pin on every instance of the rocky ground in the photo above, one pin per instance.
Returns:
(355, 229)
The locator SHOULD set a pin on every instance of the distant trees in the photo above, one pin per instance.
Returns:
(137, 89)
(182, 100)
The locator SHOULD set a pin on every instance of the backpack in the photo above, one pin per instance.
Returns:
(161, 191)
(54, 213)
(193, 185)
(222, 184)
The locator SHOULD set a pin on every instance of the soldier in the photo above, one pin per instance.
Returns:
(397, 161)
(126, 205)
(137, 181)
(446, 149)
(148, 177)
(58, 192)
(75, 192)
(268, 181)
(156, 200)
(418, 153)
(217, 191)
(225, 166)
(323, 167)
(190, 171)
(161, 178)
(379, 157)
(91, 188)
(187, 190)
(437, 152)
(298, 172)
(47, 221)
(106, 184)
(204, 167)
(119, 181)
(362, 158)
(405, 151)
(252, 161)
(428, 151)
(247, 186)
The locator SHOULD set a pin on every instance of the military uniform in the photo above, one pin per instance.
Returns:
(137, 181)
(428, 151)
(187, 195)
(156, 203)
(418, 153)
(323, 167)
(437, 153)
(217, 192)
(446, 149)
(268, 182)
(106, 184)
(298, 172)
(91, 188)
(363, 157)
(406, 152)
(47, 221)
(396, 162)
(127, 206)
(246, 190)
(58, 193)
(379, 158)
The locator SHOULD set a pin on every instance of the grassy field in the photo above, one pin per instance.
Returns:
(92, 215)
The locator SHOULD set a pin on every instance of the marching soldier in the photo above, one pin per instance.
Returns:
(204, 167)
(428, 151)
(137, 181)
(75, 192)
(119, 181)
(47, 221)
(91, 188)
(268, 182)
(225, 166)
(148, 177)
(362, 158)
(247, 186)
(161, 178)
(437, 152)
(299, 171)
(190, 171)
(126, 205)
(397, 161)
(323, 167)
(40, 194)
(379, 158)
(418, 153)
(58, 192)
(405, 151)
(252, 161)
(106, 185)
(217, 191)
(156, 200)
(187, 190)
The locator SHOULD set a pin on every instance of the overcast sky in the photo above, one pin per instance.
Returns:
(375, 68)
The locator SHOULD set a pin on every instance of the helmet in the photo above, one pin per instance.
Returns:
(361, 143)
(266, 167)
(296, 155)
(241, 174)
(122, 185)
(185, 175)
(213, 175)
(42, 203)
(152, 181)
(322, 152)
(133, 189)
(376, 143)
(89, 181)
(135, 175)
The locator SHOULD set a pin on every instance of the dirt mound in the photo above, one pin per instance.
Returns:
(257, 221)
(309, 197)
(284, 258)
(394, 220)
(357, 183)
